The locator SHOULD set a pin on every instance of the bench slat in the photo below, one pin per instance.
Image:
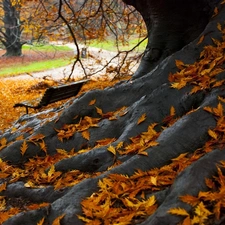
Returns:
(54, 94)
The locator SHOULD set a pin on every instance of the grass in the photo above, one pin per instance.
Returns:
(47, 48)
(36, 58)
(110, 45)
(35, 66)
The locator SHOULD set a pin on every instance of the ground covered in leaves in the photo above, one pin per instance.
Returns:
(13, 91)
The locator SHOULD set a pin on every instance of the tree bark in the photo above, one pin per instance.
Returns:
(181, 126)
(11, 34)
(171, 25)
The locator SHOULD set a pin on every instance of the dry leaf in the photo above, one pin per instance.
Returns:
(92, 102)
(142, 118)
(178, 211)
(112, 149)
(86, 135)
(201, 39)
(41, 222)
(172, 111)
(57, 220)
(23, 148)
(99, 111)
(3, 187)
(179, 64)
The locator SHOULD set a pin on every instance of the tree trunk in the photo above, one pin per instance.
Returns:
(12, 29)
(171, 25)
(131, 153)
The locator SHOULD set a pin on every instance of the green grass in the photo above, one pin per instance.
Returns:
(34, 67)
(110, 45)
(47, 48)
(38, 66)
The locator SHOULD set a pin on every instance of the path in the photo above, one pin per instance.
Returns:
(95, 61)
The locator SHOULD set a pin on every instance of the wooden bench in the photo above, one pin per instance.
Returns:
(54, 94)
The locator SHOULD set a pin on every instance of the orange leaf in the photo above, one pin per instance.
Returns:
(23, 148)
(212, 134)
(41, 222)
(172, 111)
(99, 111)
(86, 135)
(219, 27)
(216, 11)
(112, 149)
(179, 64)
(142, 118)
(3, 187)
(57, 220)
(92, 102)
(178, 211)
(191, 200)
(201, 39)
(43, 146)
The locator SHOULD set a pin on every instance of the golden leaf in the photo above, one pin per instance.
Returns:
(119, 145)
(212, 134)
(195, 89)
(223, 2)
(51, 171)
(36, 137)
(86, 135)
(221, 99)
(219, 27)
(57, 220)
(23, 148)
(178, 211)
(112, 149)
(216, 11)
(43, 146)
(92, 102)
(172, 111)
(142, 118)
(208, 109)
(187, 221)
(201, 210)
(99, 111)
(105, 141)
(3, 187)
(153, 180)
(191, 200)
(41, 222)
(143, 153)
(3, 143)
(179, 64)
(201, 39)
(29, 184)
(2, 204)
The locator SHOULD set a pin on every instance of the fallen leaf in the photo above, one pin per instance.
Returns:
(112, 149)
(92, 102)
(23, 148)
(178, 211)
(86, 135)
(57, 220)
(201, 40)
(142, 118)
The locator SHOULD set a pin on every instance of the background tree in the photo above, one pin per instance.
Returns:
(149, 150)
(10, 31)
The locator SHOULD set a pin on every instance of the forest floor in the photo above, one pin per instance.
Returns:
(22, 87)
